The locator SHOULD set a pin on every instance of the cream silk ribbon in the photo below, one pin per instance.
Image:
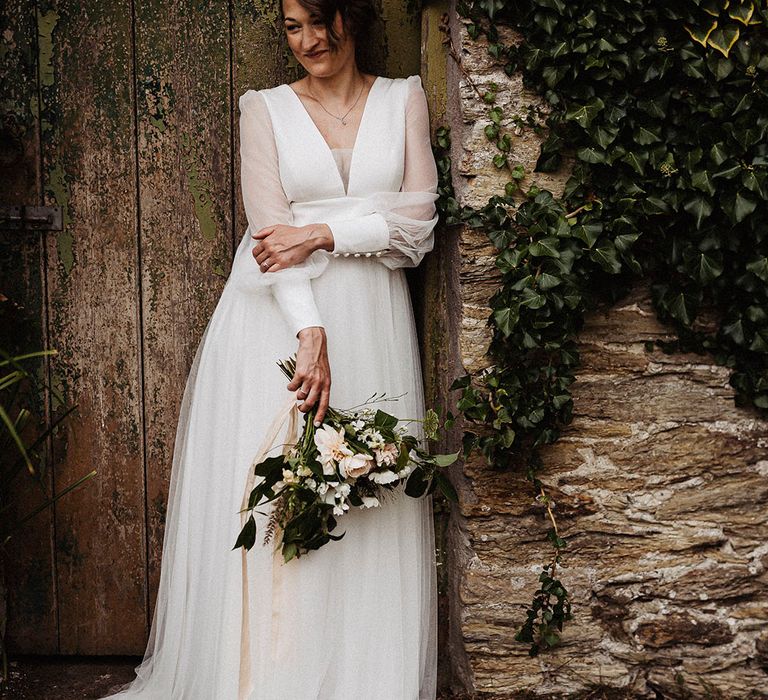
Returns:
(289, 412)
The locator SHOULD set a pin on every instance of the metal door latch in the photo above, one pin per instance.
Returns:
(28, 218)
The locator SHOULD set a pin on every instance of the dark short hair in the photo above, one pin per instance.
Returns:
(358, 17)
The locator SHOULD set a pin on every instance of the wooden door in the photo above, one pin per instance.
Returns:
(124, 114)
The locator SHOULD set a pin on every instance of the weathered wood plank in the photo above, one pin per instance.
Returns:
(31, 604)
(89, 169)
(184, 124)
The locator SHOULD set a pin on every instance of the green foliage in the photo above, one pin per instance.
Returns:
(662, 109)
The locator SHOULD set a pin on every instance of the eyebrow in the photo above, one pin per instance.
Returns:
(291, 19)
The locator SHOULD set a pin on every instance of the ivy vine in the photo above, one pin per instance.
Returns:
(661, 111)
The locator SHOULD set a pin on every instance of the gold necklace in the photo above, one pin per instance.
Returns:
(342, 118)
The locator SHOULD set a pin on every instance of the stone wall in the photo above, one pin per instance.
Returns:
(660, 482)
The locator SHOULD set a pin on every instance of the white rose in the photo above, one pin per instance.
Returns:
(356, 465)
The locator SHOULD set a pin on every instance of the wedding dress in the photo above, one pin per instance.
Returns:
(357, 618)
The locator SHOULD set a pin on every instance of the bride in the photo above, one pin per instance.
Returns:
(338, 182)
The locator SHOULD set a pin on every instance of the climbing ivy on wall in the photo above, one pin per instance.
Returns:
(660, 110)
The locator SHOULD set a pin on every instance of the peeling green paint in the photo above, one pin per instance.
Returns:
(57, 187)
(199, 189)
(401, 38)
(34, 106)
(46, 23)
(159, 97)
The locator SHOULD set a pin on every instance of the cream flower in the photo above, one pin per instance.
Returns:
(340, 509)
(384, 477)
(370, 501)
(387, 456)
(355, 465)
(330, 443)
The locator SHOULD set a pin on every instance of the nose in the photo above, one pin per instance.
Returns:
(310, 38)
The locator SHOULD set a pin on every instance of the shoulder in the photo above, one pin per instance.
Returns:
(407, 85)
(257, 99)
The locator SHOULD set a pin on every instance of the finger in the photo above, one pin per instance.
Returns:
(322, 406)
(269, 266)
(296, 382)
(263, 232)
(311, 400)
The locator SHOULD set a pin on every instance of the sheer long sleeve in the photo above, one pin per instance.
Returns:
(265, 204)
(400, 229)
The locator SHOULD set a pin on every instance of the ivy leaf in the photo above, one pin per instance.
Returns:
(723, 38)
(681, 308)
(754, 183)
(624, 241)
(636, 159)
(546, 20)
(604, 135)
(583, 115)
(721, 68)
(735, 331)
(709, 268)
(699, 208)
(547, 281)
(589, 233)
(532, 300)
(545, 247)
(506, 319)
(760, 268)
(743, 207)
(702, 181)
(605, 255)
(759, 343)
(589, 154)
(718, 153)
(645, 136)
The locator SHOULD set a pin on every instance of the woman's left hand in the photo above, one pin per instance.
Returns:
(280, 246)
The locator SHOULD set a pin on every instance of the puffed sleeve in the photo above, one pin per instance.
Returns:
(266, 204)
(399, 230)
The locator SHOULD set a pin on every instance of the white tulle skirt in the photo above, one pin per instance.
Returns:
(354, 620)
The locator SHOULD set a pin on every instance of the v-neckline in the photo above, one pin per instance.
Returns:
(328, 150)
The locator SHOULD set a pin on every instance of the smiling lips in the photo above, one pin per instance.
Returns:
(315, 54)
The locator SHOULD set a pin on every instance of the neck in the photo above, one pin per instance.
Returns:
(343, 86)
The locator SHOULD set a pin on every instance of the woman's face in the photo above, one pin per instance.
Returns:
(308, 39)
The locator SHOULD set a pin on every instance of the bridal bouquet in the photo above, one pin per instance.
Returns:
(354, 459)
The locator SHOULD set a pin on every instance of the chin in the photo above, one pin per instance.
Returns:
(320, 71)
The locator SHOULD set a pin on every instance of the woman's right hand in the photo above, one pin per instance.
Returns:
(312, 378)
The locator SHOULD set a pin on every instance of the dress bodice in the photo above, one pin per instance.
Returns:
(309, 169)
(343, 158)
